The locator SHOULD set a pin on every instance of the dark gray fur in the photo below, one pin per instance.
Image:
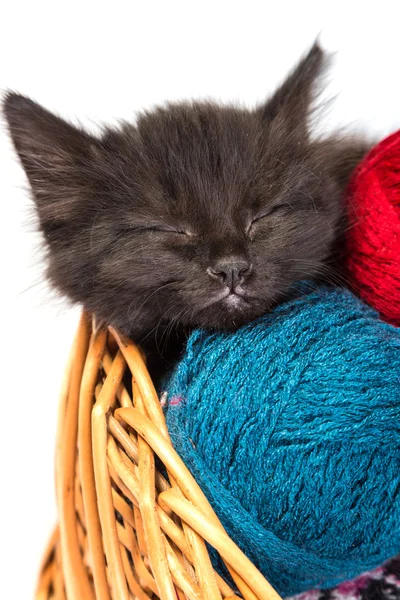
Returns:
(138, 222)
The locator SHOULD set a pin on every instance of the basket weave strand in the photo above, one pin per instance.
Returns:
(124, 531)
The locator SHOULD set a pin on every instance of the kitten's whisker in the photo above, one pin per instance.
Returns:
(174, 321)
(92, 230)
(155, 292)
(30, 287)
(155, 328)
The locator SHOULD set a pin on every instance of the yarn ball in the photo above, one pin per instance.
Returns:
(373, 241)
(291, 426)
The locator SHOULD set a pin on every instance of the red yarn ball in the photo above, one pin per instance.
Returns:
(373, 239)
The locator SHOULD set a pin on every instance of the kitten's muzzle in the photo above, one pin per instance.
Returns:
(231, 274)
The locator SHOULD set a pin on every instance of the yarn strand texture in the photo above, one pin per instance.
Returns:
(373, 240)
(291, 426)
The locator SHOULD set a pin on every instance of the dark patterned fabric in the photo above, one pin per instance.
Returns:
(382, 583)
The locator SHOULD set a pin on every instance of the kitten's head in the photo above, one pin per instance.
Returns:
(198, 215)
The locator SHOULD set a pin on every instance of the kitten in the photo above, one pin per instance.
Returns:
(198, 215)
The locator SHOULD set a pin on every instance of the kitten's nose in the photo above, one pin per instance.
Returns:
(231, 273)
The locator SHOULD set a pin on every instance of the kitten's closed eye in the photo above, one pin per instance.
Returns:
(273, 210)
(166, 229)
(130, 228)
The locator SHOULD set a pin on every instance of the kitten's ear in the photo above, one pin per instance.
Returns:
(57, 157)
(289, 108)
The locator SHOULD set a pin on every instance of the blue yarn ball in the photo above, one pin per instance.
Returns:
(291, 426)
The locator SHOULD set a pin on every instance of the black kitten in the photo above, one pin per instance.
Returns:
(198, 215)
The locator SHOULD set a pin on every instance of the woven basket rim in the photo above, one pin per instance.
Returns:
(125, 531)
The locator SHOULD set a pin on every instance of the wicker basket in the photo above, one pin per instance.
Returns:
(126, 532)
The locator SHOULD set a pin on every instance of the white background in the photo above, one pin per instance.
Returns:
(99, 61)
